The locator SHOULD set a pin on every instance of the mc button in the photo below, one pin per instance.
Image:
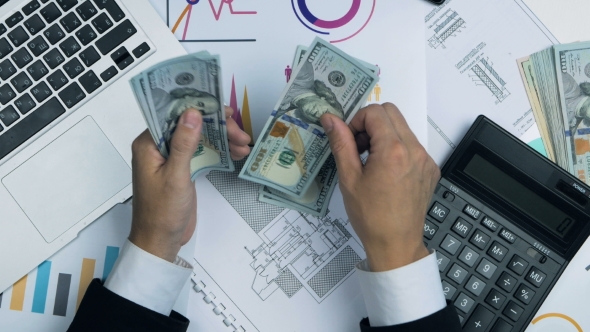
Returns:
(438, 212)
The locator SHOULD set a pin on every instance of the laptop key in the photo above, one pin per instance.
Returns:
(6, 94)
(31, 7)
(89, 56)
(70, 46)
(18, 36)
(122, 58)
(7, 69)
(102, 23)
(73, 68)
(21, 58)
(30, 125)
(57, 80)
(53, 58)
(14, 19)
(34, 24)
(112, 8)
(115, 37)
(90, 82)
(70, 22)
(50, 13)
(3, 29)
(5, 48)
(141, 50)
(21, 82)
(25, 103)
(72, 95)
(37, 70)
(54, 34)
(41, 91)
(86, 10)
(109, 73)
(86, 35)
(9, 115)
(38, 45)
(67, 4)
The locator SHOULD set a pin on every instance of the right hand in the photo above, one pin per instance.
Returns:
(387, 198)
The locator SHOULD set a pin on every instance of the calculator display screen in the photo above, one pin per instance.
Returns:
(518, 195)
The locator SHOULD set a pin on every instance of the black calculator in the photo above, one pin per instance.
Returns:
(505, 222)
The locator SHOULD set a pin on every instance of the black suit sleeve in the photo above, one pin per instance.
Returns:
(445, 320)
(102, 310)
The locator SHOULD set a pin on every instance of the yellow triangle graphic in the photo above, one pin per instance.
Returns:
(246, 120)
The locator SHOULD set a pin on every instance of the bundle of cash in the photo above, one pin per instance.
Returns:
(556, 81)
(168, 89)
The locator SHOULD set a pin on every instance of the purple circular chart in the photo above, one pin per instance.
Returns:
(356, 5)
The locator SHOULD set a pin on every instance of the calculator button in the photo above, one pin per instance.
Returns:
(443, 261)
(450, 244)
(448, 290)
(429, 229)
(486, 268)
(480, 320)
(479, 239)
(501, 326)
(461, 319)
(513, 311)
(471, 211)
(506, 282)
(475, 286)
(468, 256)
(495, 299)
(457, 274)
(438, 212)
(535, 277)
(462, 227)
(507, 235)
(497, 251)
(464, 303)
(518, 265)
(449, 196)
(490, 224)
(524, 294)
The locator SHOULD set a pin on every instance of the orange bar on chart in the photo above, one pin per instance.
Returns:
(86, 276)
(18, 294)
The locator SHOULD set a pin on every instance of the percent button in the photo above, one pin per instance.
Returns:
(524, 294)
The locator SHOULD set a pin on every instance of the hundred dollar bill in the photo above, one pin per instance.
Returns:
(301, 50)
(316, 199)
(172, 87)
(572, 65)
(292, 147)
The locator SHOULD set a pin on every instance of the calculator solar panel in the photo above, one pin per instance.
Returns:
(504, 222)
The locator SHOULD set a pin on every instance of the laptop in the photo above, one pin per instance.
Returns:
(505, 223)
(68, 117)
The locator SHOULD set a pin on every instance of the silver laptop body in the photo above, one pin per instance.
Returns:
(68, 117)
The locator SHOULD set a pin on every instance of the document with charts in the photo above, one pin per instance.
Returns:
(471, 52)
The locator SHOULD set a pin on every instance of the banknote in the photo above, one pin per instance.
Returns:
(169, 88)
(301, 50)
(572, 65)
(316, 199)
(293, 147)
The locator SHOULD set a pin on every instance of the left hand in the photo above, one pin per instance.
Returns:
(164, 198)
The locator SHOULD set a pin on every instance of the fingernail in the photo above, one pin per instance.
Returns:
(327, 123)
(190, 119)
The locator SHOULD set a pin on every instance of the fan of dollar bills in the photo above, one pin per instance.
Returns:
(556, 82)
(291, 159)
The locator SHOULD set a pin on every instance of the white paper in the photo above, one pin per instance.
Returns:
(391, 38)
(471, 52)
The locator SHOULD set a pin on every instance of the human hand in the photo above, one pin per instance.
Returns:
(386, 199)
(165, 200)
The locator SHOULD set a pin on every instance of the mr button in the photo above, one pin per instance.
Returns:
(438, 212)
(462, 227)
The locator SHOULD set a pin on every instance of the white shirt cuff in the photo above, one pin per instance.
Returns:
(148, 280)
(404, 294)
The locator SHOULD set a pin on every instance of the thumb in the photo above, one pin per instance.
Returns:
(185, 141)
(343, 147)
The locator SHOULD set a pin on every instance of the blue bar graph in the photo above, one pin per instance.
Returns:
(41, 284)
(111, 256)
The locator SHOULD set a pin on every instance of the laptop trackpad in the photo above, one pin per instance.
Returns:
(68, 179)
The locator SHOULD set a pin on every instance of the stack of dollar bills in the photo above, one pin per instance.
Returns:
(556, 82)
(291, 159)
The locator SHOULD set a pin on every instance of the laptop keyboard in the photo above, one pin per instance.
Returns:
(49, 50)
